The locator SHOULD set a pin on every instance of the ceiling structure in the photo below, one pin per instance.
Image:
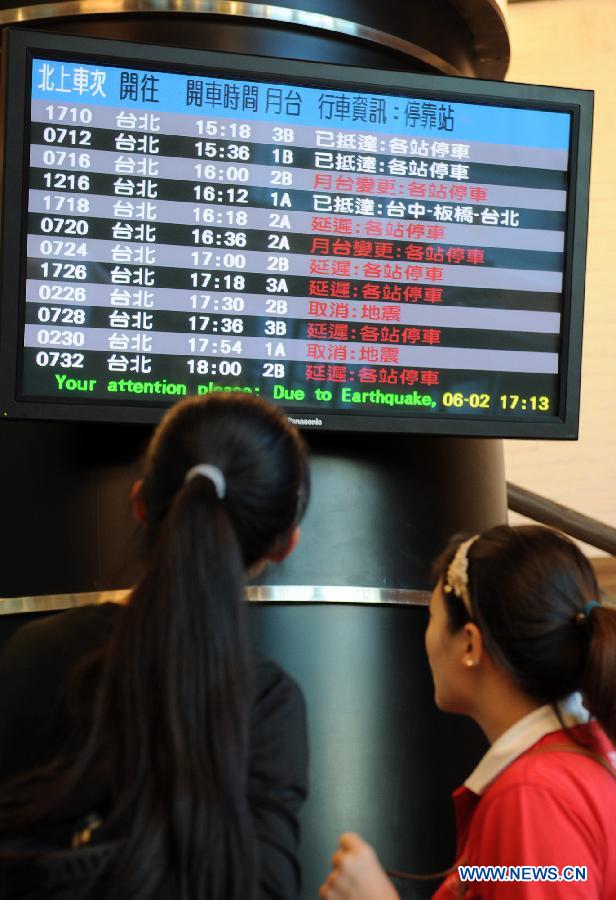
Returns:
(449, 37)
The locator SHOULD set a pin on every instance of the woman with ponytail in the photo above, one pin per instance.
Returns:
(186, 763)
(519, 640)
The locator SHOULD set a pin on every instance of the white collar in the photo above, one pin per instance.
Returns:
(526, 732)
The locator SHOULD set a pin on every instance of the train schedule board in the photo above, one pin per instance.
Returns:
(371, 250)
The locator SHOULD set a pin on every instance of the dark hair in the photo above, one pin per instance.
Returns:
(170, 721)
(528, 588)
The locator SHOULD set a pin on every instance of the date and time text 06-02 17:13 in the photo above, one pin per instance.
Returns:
(506, 402)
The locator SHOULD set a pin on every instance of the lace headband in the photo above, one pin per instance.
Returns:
(456, 579)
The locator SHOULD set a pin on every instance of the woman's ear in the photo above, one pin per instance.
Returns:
(473, 648)
(136, 502)
(284, 545)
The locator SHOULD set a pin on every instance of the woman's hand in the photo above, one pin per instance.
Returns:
(356, 873)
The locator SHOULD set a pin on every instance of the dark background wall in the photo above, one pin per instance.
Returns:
(382, 507)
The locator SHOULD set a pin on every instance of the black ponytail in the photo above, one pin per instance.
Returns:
(599, 681)
(181, 681)
(169, 728)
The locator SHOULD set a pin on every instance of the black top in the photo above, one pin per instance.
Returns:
(34, 724)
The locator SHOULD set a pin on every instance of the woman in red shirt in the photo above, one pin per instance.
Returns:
(515, 632)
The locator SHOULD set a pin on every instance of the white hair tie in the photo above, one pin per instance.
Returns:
(212, 473)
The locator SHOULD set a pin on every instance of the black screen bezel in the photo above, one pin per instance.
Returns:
(20, 46)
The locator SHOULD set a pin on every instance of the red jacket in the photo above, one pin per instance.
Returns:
(545, 809)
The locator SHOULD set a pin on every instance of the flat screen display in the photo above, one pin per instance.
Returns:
(370, 250)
